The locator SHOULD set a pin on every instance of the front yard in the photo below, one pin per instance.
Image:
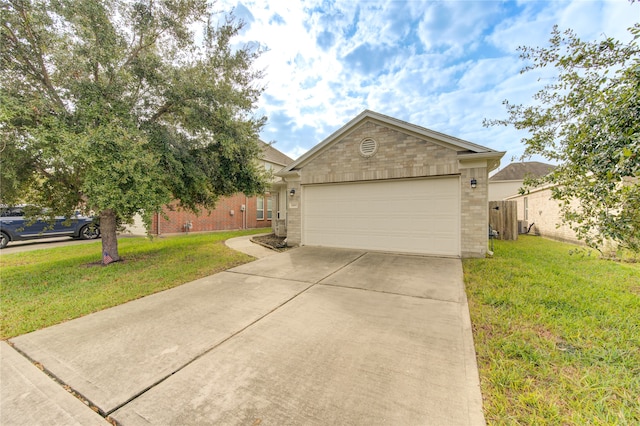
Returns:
(557, 335)
(45, 287)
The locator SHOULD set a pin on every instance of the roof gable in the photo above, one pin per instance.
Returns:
(459, 145)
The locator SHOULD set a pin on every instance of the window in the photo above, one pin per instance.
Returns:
(526, 208)
(260, 208)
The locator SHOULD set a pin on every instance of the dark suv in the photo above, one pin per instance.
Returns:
(14, 226)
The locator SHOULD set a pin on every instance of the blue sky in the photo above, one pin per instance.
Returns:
(444, 65)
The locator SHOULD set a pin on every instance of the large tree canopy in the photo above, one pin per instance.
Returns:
(587, 119)
(120, 106)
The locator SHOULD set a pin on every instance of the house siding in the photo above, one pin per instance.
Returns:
(503, 189)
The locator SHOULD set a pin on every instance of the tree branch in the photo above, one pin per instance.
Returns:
(42, 71)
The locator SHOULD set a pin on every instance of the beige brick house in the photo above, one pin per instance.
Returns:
(542, 215)
(379, 183)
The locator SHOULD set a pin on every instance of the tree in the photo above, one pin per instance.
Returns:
(588, 120)
(120, 106)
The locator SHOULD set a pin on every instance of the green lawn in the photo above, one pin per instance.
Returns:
(45, 287)
(557, 335)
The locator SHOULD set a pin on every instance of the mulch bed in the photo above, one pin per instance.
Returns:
(271, 241)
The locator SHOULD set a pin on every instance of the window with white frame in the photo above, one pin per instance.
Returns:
(526, 208)
(260, 208)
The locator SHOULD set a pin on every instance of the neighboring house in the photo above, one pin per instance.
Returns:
(537, 213)
(379, 183)
(508, 181)
(235, 212)
(540, 213)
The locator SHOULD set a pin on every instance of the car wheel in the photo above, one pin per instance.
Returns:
(4, 240)
(89, 232)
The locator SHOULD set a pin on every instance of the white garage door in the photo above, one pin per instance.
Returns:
(412, 216)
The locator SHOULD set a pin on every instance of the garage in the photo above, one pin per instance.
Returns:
(379, 183)
(406, 215)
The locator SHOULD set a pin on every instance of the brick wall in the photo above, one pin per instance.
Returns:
(474, 221)
(226, 216)
(294, 212)
(544, 213)
(399, 155)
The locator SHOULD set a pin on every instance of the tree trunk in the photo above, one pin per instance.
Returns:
(109, 238)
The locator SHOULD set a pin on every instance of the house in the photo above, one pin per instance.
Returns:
(537, 212)
(235, 212)
(541, 215)
(379, 183)
(508, 181)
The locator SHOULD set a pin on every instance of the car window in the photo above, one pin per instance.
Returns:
(12, 212)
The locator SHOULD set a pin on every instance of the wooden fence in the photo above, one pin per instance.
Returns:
(503, 217)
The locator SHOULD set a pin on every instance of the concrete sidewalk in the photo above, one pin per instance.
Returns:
(308, 336)
(245, 245)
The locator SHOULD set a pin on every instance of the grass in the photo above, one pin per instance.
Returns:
(557, 335)
(46, 287)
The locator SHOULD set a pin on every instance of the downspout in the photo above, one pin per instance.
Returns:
(244, 213)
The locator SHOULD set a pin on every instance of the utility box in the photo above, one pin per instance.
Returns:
(523, 226)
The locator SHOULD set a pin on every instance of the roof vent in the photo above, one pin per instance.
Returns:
(368, 147)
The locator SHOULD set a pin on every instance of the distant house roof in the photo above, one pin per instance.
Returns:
(519, 171)
(272, 155)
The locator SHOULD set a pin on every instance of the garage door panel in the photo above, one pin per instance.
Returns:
(415, 216)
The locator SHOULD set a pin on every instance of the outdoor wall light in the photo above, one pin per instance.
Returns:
(474, 183)
(292, 192)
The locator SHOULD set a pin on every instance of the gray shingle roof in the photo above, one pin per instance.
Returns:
(272, 155)
(519, 171)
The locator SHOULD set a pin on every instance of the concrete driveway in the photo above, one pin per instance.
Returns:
(308, 336)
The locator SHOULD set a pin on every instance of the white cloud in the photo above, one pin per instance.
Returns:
(442, 65)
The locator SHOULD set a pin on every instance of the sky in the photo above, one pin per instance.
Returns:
(443, 65)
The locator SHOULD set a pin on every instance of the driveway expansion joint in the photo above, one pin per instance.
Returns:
(457, 302)
(341, 268)
(265, 276)
(57, 380)
(203, 353)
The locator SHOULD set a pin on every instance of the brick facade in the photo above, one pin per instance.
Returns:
(474, 213)
(544, 213)
(227, 215)
(401, 154)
